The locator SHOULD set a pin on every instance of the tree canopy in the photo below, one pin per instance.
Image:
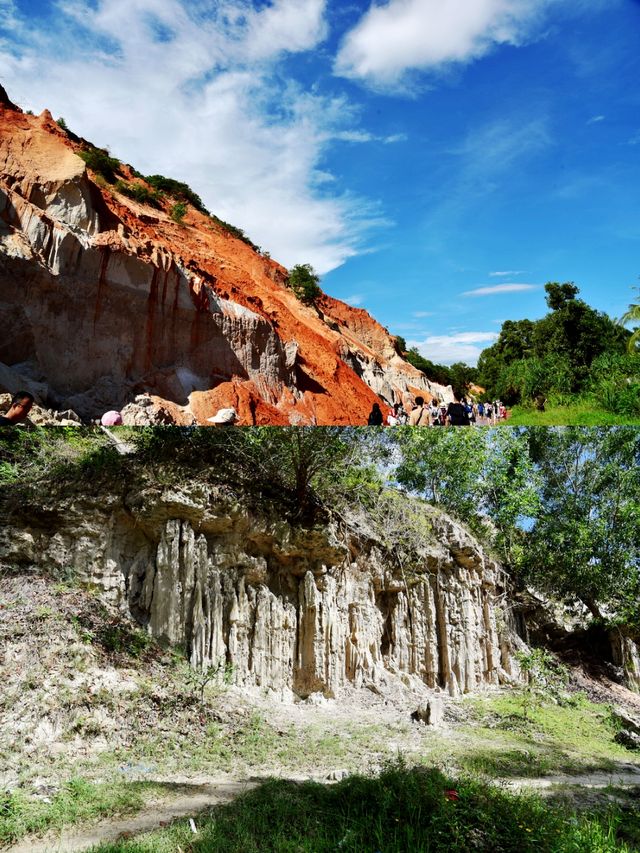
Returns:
(561, 508)
(552, 355)
(305, 283)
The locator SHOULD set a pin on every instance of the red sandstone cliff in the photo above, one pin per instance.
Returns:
(103, 298)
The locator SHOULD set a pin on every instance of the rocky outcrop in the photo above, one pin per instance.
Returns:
(103, 298)
(281, 607)
(372, 353)
(626, 654)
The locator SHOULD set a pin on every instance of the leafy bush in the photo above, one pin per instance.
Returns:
(546, 678)
(304, 282)
(178, 212)
(615, 383)
(178, 190)
(526, 379)
(140, 193)
(99, 161)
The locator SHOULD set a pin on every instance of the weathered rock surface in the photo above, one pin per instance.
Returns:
(103, 298)
(626, 654)
(284, 607)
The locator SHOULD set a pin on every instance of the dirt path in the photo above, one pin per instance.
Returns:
(151, 817)
(621, 778)
(202, 796)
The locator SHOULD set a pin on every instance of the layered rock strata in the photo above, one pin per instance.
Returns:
(282, 607)
(103, 298)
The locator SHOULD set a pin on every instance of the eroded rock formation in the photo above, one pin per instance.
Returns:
(103, 298)
(282, 607)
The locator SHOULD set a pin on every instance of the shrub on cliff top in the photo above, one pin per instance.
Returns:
(178, 190)
(140, 193)
(99, 161)
(235, 232)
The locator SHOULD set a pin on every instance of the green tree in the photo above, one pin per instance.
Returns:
(485, 478)
(552, 355)
(304, 469)
(305, 283)
(509, 493)
(632, 315)
(558, 295)
(401, 344)
(585, 540)
(434, 372)
(444, 466)
(462, 377)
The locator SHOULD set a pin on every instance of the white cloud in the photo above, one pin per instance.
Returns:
(286, 25)
(423, 314)
(447, 349)
(195, 91)
(365, 136)
(405, 35)
(500, 288)
(506, 272)
(395, 137)
(596, 119)
(355, 299)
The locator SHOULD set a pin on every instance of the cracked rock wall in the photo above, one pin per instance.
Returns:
(281, 607)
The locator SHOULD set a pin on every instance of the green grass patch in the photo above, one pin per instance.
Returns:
(402, 809)
(577, 737)
(574, 414)
(78, 801)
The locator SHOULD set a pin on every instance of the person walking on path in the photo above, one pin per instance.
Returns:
(419, 415)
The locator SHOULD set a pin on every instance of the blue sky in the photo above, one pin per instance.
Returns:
(436, 160)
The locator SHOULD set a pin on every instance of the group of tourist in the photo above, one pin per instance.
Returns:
(457, 413)
(460, 412)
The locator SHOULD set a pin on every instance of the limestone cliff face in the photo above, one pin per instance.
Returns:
(103, 298)
(286, 608)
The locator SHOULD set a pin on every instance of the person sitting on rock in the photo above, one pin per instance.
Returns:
(21, 404)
